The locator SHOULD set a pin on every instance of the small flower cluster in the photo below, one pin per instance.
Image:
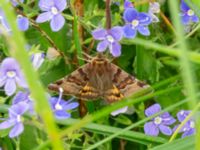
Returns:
(12, 77)
(134, 22)
(162, 122)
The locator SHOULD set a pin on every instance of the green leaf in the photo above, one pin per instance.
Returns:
(122, 119)
(187, 143)
(108, 130)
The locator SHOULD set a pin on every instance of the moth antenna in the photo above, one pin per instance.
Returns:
(86, 60)
(87, 56)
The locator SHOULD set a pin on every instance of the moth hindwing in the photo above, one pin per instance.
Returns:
(99, 79)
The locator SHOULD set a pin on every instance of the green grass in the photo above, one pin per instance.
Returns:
(168, 61)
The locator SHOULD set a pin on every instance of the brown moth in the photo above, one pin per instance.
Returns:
(99, 79)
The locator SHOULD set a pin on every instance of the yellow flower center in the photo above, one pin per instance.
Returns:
(158, 120)
(110, 38)
(190, 12)
(11, 74)
(135, 23)
(54, 10)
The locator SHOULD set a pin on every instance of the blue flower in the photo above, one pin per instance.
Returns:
(189, 127)
(11, 76)
(22, 22)
(159, 123)
(61, 107)
(15, 119)
(188, 15)
(109, 39)
(135, 21)
(52, 12)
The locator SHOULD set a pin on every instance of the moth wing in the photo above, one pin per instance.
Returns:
(125, 83)
(76, 84)
(72, 83)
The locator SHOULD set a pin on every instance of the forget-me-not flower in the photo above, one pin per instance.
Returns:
(11, 76)
(159, 123)
(52, 12)
(189, 127)
(61, 107)
(15, 119)
(188, 16)
(109, 39)
(135, 21)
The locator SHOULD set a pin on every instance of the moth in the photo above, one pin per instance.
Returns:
(99, 78)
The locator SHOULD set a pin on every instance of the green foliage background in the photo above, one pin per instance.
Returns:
(168, 60)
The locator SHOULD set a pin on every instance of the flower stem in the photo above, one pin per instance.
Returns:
(108, 15)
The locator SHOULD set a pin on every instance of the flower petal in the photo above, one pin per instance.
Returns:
(43, 17)
(165, 129)
(71, 106)
(46, 5)
(115, 49)
(57, 22)
(127, 4)
(152, 110)
(144, 19)
(188, 133)
(7, 124)
(10, 87)
(101, 47)
(9, 63)
(23, 23)
(18, 109)
(167, 119)
(99, 34)
(20, 96)
(130, 14)
(195, 18)
(16, 130)
(129, 32)
(60, 114)
(184, 7)
(181, 115)
(185, 19)
(116, 32)
(2, 80)
(60, 5)
(151, 129)
(119, 111)
(143, 30)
